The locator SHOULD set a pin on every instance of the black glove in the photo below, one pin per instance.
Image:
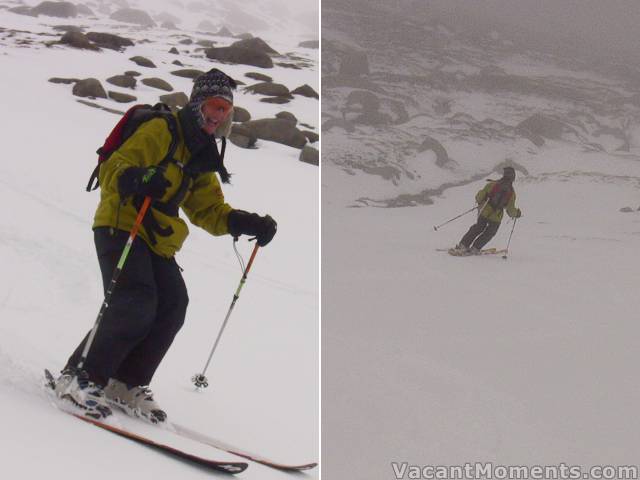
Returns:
(241, 222)
(148, 182)
(518, 213)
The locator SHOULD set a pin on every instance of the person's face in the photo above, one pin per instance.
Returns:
(214, 111)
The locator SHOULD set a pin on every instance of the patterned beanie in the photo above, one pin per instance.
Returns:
(214, 83)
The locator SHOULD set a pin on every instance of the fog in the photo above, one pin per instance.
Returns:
(591, 27)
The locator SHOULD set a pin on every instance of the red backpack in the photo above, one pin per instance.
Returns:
(499, 195)
(128, 124)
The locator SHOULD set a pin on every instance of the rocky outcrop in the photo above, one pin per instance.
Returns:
(539, 127)
(277, 130)
(241, 114)
(310, 155)
(133, 15)
(124, 81)
(306, 91)
(143, 62)
(56, 9)
(430, 143)
(269, 89)
(259, 76)
(242, 136)
(109, 40)
(159, 83)
(76, 39)
(288, 116)
(240, 55)
(188, 73)
(64, 81)
(175, 100)
(122, 97)
(89, 87)
(256, 44)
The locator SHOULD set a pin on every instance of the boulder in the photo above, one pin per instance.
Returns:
(157, 83)
(259, 76)
(224, 32)
(143, 62)
(186, 41)
(89, 87)
(309, 155)
(276, 100)
(175, 100)
(109, 40)
(132, 73)
(68, 28)
(240, 114)
(539, 125)
(277, 130)
(288, 116)
(133, 15)
(124, 81)
(191, 73)
(306, 91)
(23, 10)
(56, 9)
(174, 51)
(242, 136)
(121, 97)
(313, 137)
(270, 89)
(84, 10)
(240, 55)
(310, 44)
(78, 40)
(205, 43)
(178, 63)
(65, 81)
(256, 44)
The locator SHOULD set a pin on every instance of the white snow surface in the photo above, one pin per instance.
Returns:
(263, 394)
(432, 359)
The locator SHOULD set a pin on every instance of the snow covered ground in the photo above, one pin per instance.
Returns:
(263, 392)
(437, 360)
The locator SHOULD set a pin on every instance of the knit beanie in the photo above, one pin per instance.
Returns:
(214, 83)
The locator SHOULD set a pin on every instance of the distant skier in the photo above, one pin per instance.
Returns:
(149, 303)
(492, 200)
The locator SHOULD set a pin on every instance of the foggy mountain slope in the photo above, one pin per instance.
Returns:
(421, 83)
(434, 360)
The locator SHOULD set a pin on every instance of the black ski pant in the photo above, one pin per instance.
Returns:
(146, 311)
(480, 233)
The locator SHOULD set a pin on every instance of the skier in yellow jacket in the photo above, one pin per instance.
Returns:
(150, 301)
(492, 200)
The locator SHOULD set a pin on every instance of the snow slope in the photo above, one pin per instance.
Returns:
(263, 392)
(436, 360)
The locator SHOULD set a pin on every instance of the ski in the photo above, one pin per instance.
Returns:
(199, 437)
(457, 253)
(217, 465)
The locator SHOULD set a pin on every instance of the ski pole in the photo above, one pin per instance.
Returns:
(506, 250)
(199, 379)
(436, 227)
(114, 280)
